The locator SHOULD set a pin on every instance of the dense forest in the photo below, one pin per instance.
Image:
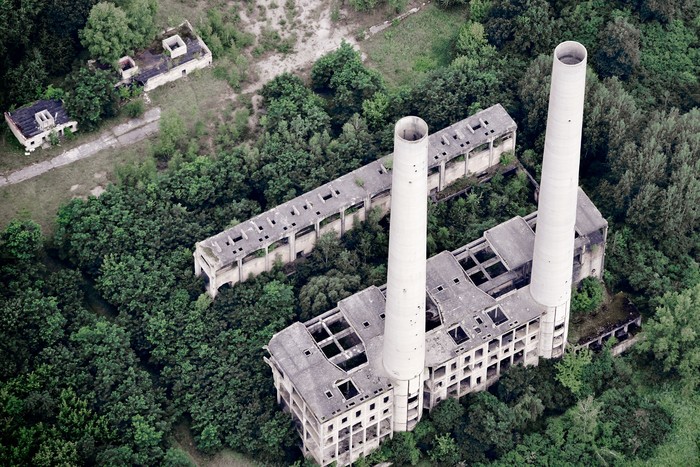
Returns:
(108, 342)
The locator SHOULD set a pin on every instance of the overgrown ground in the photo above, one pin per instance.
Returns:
(682, 447)
(39, 198)
(202, 100)
(420, 43)
(612, 311)
(182, 438)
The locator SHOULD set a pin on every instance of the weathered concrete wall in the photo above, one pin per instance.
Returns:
(342, 439)
(481, 367)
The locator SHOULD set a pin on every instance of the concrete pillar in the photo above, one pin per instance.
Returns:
(239, 262)
(197, 266)
(552, 264)
(404, 330)
(342, 223)
(292, 239)
(213, 286)
(441, 180)
(267, 258)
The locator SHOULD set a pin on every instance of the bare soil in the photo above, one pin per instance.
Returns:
(315, 26)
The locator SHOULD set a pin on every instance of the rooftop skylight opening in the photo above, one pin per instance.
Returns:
(319, 333)
(347, 389)
(458, 335)
(353, 362)
(432, 315)
(337, 325)
(331, 350)
(496, 269)
(497, 316)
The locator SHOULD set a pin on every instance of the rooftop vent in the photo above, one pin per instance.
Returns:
(174, 46)
(44, 119)
(127, 67)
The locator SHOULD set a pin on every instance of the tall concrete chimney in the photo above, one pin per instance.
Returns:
(404, 327)
(552, 264)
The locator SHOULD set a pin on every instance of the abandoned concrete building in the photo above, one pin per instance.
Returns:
(34, 124)
(178, 53)
(290, 230)
(480, 320)
(446, 326)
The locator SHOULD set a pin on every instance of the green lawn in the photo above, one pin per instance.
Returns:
(198, 97)
(39, 198)
(422, 42)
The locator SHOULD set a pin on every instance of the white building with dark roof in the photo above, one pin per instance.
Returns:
(177, 53)
(34, 124)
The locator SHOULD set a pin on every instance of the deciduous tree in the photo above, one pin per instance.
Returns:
(107, 33)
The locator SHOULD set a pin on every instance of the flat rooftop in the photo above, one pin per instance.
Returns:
(225, 248)
(345, 343)
(155, 60)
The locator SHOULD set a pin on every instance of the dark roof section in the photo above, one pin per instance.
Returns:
(164, 63)
(27, 124)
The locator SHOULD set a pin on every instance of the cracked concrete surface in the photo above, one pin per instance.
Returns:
(121, 135)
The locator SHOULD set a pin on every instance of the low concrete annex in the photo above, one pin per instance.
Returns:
(176, 54)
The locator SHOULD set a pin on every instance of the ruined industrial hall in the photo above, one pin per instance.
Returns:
(441, 327)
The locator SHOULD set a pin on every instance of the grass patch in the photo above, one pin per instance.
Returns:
(420, 43)
(183, 439)
(173, 12)
(201, 97)
(39, 198)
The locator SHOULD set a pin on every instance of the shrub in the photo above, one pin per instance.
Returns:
(588, 297)
(134, 108)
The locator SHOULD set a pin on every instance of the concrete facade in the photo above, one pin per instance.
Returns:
(34, 124)
(291, 229)
(480, 320)
(499, 301)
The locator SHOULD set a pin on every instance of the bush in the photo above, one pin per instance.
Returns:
(588, 297)
(134, 108)
(91, 97)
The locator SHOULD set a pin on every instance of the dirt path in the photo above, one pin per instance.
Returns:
(119, 136)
